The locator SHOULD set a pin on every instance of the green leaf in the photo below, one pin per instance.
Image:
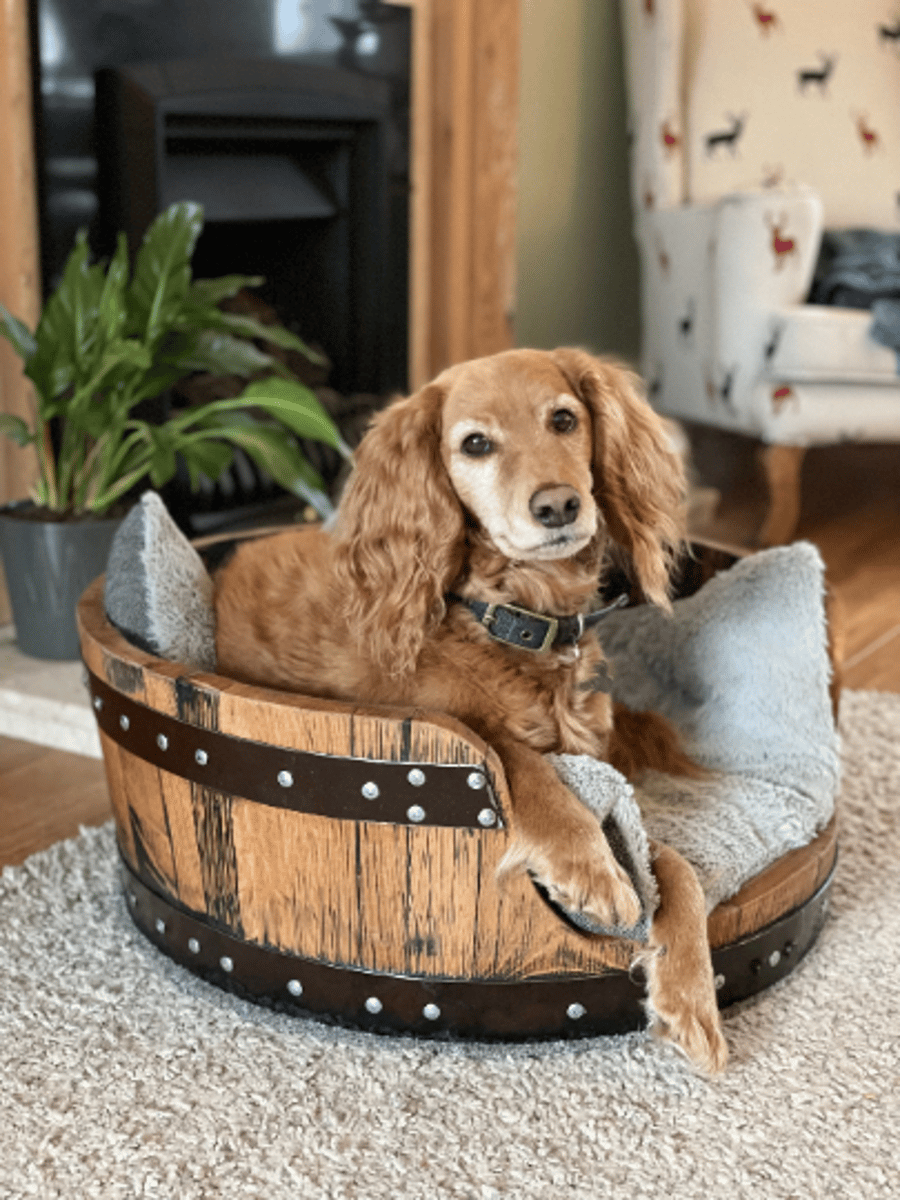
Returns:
(220, 353)
(163, 463)
(212, 291)
(276, 334)
(205, 456)
(162, 269)
(62, 329)
(297, 407)
(274, 451)
(16, 429)
(111, 305)
(17, 333)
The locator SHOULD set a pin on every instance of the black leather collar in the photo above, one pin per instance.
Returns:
(527, 630)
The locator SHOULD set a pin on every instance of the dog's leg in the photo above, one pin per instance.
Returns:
(681, 992)
(560, 842)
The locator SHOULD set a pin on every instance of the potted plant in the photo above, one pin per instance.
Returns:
(108, 339)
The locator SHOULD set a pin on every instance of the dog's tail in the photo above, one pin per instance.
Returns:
(646, 741)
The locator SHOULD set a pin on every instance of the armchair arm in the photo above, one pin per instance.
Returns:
(716, 277)
(765, 247)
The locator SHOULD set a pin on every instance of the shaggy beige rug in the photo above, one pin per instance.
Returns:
(123, 1076)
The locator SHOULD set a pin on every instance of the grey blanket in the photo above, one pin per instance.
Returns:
(742, 669)
(860, 268)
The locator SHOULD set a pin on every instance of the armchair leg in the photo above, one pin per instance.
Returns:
(782, 466)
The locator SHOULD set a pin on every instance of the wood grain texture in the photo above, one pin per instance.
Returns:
(45, 796)
(850, 507)
(20, 285)
(464, 160)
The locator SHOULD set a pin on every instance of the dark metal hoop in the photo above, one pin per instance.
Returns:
(507, 1010)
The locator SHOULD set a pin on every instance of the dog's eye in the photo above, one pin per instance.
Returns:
(564, 420)
(476, 445)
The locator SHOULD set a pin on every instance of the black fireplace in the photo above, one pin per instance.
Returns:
(290, 162)
(288, 121)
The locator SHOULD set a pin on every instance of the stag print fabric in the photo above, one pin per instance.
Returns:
(734, 94)
(784, 91)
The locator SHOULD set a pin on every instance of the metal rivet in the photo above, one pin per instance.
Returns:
(295, 987)
(226, 963)
(193, 946)
(475, 780)
(374, 1005)
(416, 813)
(285, 778)
(719, 982)
(575, 1011)
(371, 791)
(788, 949)
(774, 958)
(132, 899)
(98, 702)
(487, 817)
(431, 1012)
(162, 741)
(123, 721)
(160, 925)
(416, 777)
(201, 757)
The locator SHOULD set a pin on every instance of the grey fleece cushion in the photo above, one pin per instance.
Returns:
(742, 669)
(158, 592)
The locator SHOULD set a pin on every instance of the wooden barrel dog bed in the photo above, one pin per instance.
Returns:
(339, 861)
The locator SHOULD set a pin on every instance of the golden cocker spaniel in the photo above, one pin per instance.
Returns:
(509, 481)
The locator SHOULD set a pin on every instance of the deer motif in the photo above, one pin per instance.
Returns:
(771, 347)
(782, 396)
(772, 176)
(766, 18)
(662, 256)
(817, 75)
(726, 137)
(867, 135)
(671, 140)
(782, 247)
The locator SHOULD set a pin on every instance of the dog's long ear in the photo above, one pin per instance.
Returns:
(639, 480)
(399, 533)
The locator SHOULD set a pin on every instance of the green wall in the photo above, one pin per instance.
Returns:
(577, 263)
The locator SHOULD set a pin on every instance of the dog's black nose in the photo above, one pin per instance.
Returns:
(555, 506)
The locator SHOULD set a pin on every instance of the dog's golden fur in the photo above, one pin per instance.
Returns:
(455, 489)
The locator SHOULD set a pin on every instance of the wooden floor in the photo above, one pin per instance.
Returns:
(851, 511)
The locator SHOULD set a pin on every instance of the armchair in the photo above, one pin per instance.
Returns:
(755, 126)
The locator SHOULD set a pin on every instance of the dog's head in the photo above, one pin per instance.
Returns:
(546, 451)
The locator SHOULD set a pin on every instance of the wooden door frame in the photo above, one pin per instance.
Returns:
(463, 205)
(20, 279)
(464, 169)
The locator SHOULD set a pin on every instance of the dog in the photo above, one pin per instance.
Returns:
(514, 480)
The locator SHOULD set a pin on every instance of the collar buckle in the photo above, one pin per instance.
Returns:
(536, 632)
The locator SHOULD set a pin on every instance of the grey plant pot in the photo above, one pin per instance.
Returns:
(48, 565)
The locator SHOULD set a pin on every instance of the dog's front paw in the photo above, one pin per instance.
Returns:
(580, 874)
(601, 893)
(682, 1007)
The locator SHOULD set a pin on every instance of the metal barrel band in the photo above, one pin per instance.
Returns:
(487, 1010)
(338, 786)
